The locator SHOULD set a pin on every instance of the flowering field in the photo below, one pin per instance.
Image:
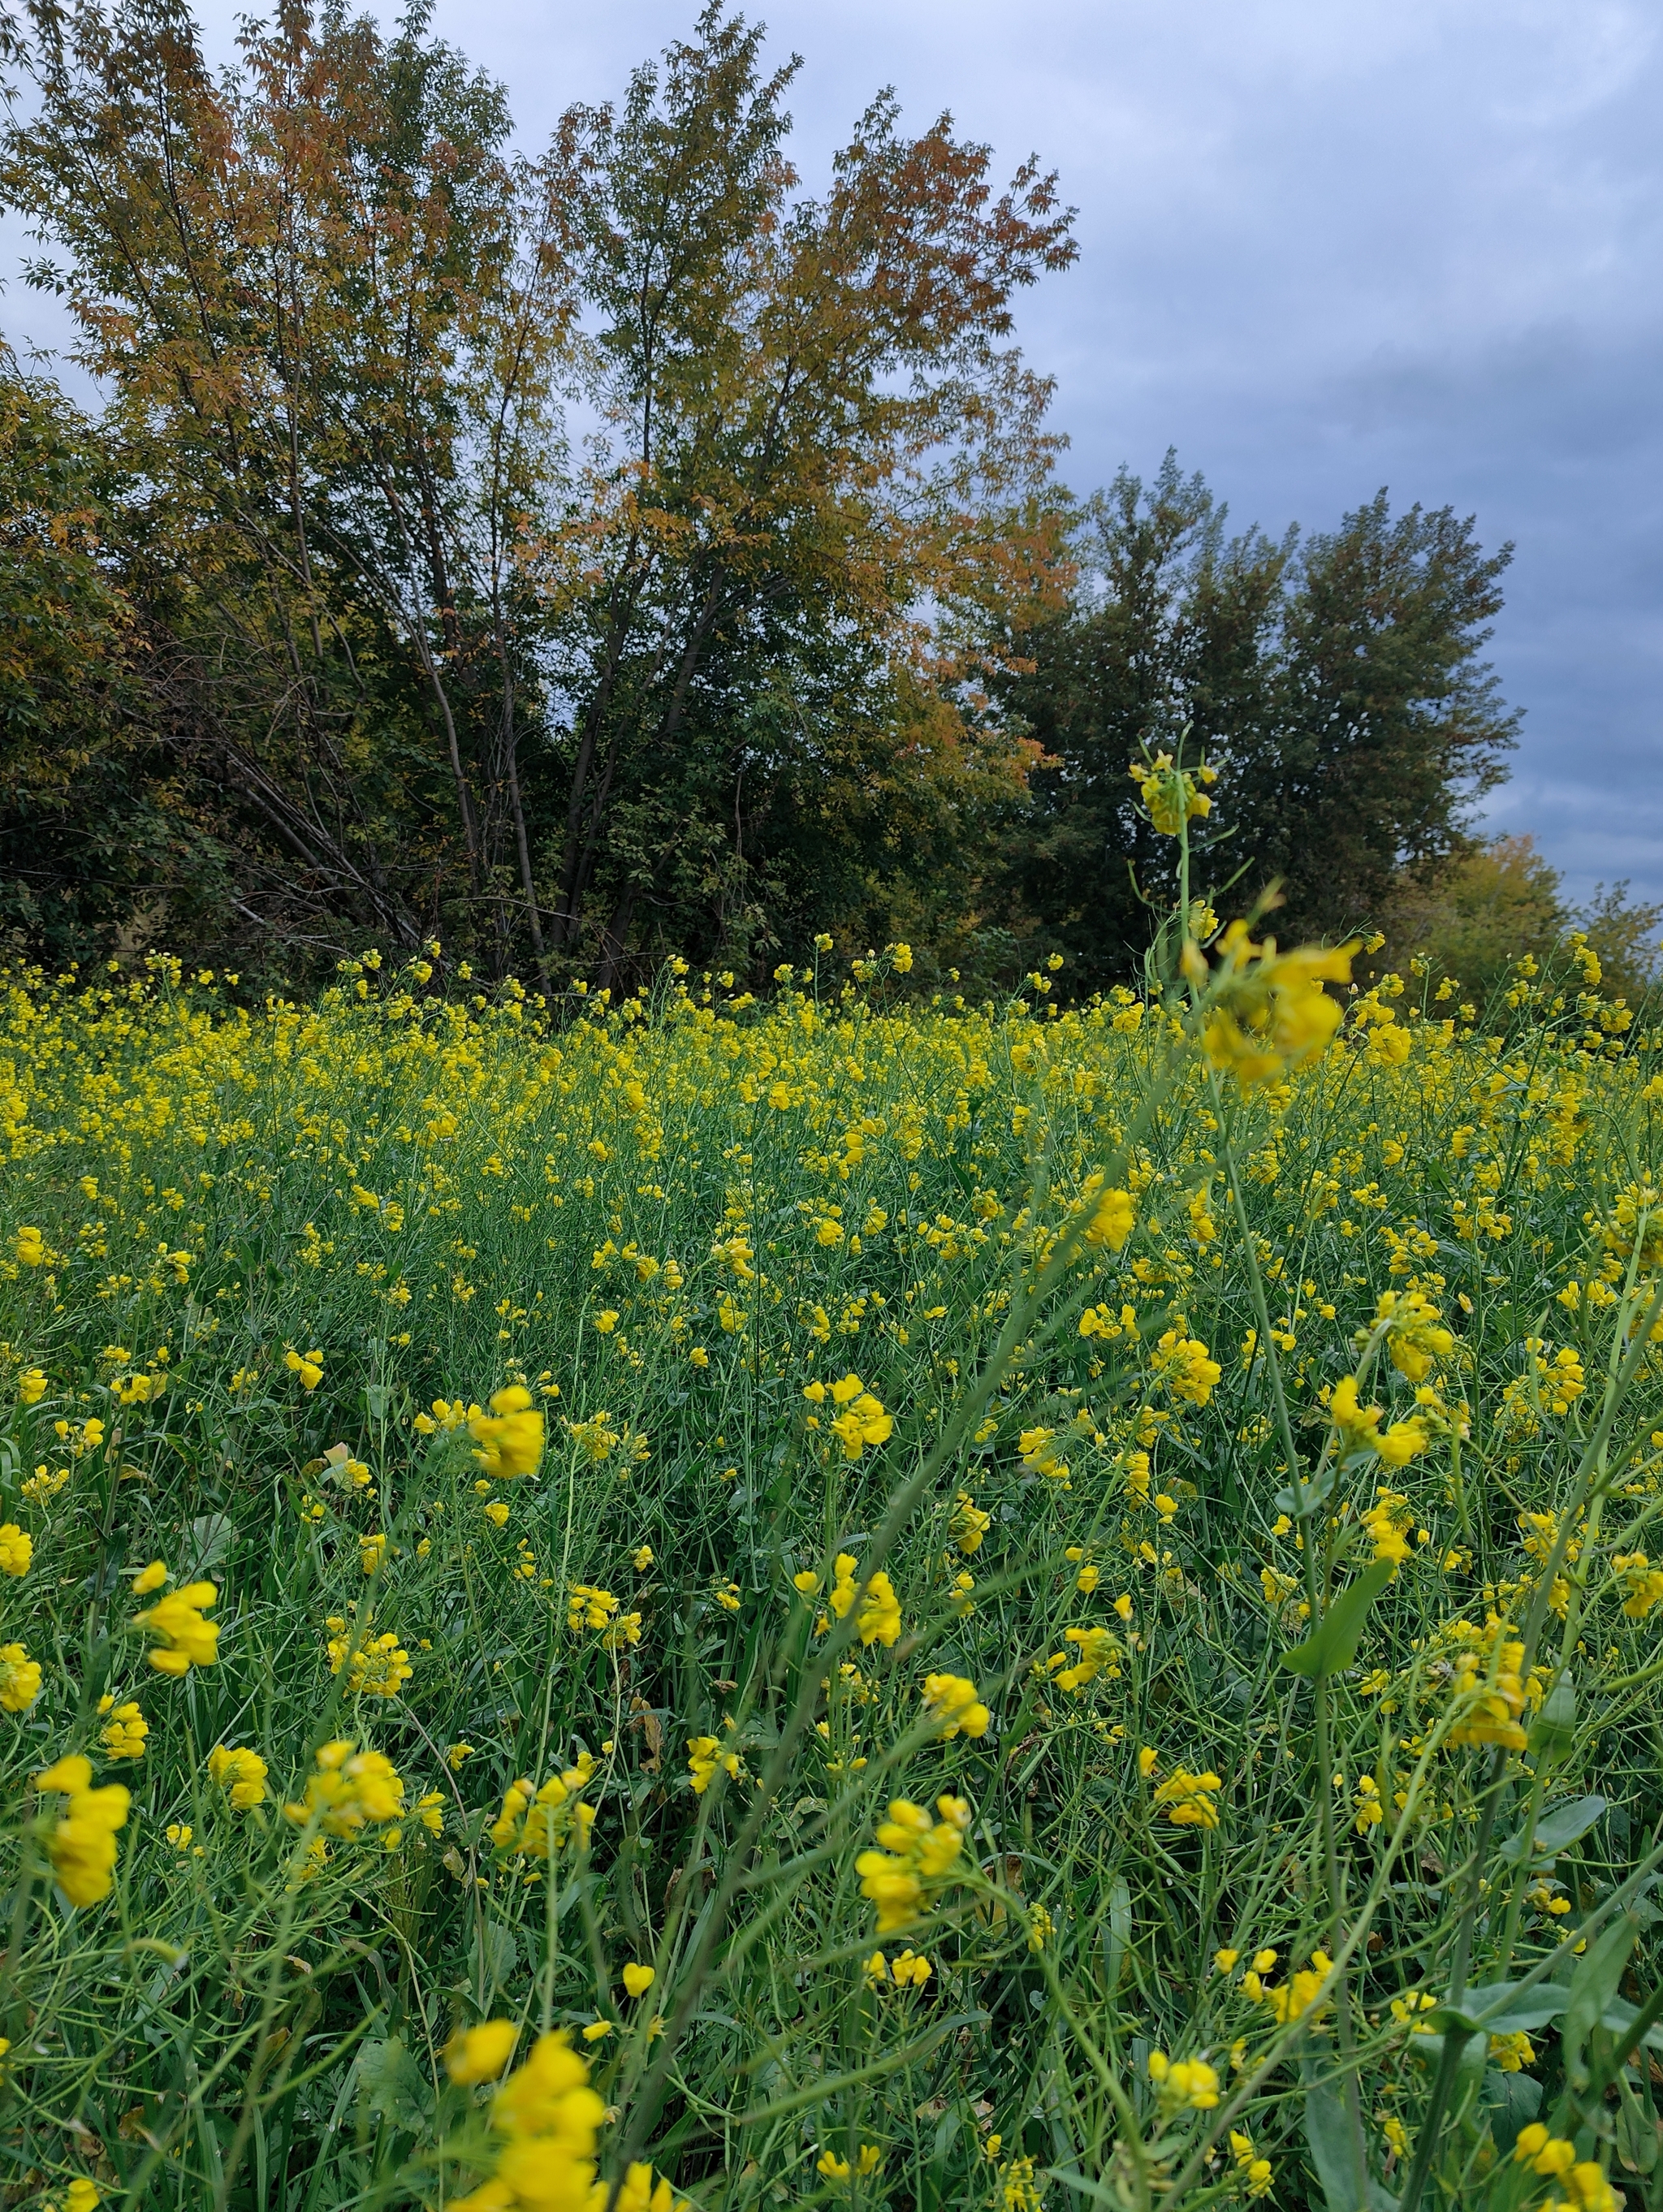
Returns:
(871, 1603)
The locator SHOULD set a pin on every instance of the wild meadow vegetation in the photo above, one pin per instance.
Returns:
(842, 1599)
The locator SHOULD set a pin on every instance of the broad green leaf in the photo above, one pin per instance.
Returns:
(1332, 1644)
(1553, 1733)
(1619, 2013)
(1592, 1989)
(1560, 1826)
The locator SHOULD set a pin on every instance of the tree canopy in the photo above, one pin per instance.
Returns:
(621, 549)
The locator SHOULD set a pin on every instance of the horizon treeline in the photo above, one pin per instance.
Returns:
(620, 550)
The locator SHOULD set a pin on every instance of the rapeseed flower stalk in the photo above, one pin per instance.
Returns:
(377, 1666)
(240, 1773)
(861, 1424)
(878, 1620)
(350, 1790)
(1183, 2084)
(1169, 792)
(536, 1823)
(510, 1438)
(707, 1756)
(917, 1857)
(123, 1733)
(20, 1679)
(17, 1550)
(954, 1704)
(1266, 1011)
(1357, 1428)
(1096, 1652)
(1491, 1698)
(187, 1640)
(81, 1843)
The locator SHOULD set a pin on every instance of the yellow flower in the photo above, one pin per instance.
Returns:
(638, 1980)
(969, 1524)
(1542, 2152)
(1113, 1217)
(704, 1755)
(868, 2159)
(31, 1386)
(954, 1703)
(1184, 2083)
(81, 2196)
(308, 1365)
(1257, 2172)
(350, 1790)
(1097, 1649)
(536, 1823)
(187, 1640)
(1493, 1701)
(1388, 1521)
(1186, 1367)
(642, 1559)
(863, 1424)
(456, 1754)
(372, 1550)
(917, 1855)
(20, 1679)
(1186, 1798)
(123, 1736)
(879, 1618)
(240, 1773)
(16, 1549)
(31, 1247)
(480, 2053)
(149, 1579)
(1169, 794)
(82, 1844)
(546, 2119)
(379, 1665)
(510, 1437)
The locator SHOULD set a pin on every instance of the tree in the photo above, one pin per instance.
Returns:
(330, 311)
(1335, 684)
(813, 432)
(413, 665)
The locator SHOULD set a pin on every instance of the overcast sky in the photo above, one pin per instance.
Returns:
(1326, 245)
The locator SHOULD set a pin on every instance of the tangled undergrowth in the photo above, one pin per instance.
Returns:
(832, 1602)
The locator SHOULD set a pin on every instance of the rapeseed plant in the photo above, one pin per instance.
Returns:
(617, 1374)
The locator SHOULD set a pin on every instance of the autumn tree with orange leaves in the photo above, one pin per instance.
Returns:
(579, 555)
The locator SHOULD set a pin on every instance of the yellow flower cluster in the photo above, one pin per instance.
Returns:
(377, 1666)
(879, 1618)
(187, 1640)
(81, 1843)
(350, 1790)
(916, 1856)
(954, 1704)
(240, 1773)
(535, 1823)
(509, 1436)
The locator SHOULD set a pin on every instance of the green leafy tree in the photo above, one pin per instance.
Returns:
(814, 427)
(1335, 683)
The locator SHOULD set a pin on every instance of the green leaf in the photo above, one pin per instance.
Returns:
(1553, 1733)
(1619, 2013)
(1317, 1490)
(1494, 2010)
(1332, 1644)
(1512, 2101)
(1117, 1936)
(1337, 2155)
(1562, 1825)
(1593, 1990)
